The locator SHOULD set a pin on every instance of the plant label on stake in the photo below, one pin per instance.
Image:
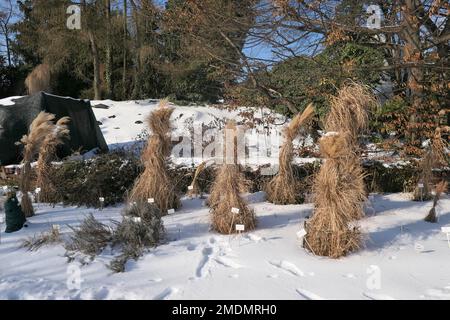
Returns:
(151, 200)
(240, 227)
(301, 234)
(102, 202)
(420, 185)
(446, 230)
(137, 219)
(235, 210)
(191, 188)
(38, 190)
(171, 211)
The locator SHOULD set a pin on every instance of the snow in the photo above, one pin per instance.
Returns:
(268, 263)
(122, 123)
(9, 101)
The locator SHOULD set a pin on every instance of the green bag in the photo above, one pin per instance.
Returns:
(15, 218)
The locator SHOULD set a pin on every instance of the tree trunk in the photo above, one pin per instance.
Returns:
(109, 58)
(137, 65)
(125, 33)
(96, 63)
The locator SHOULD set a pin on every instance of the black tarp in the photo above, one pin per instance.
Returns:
(15, 120)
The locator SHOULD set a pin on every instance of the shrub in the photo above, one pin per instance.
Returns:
(107, 175)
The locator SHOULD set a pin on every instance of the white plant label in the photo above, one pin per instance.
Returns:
(240, 227)
(191, 188)
(235, 210)
(137, 219)
(151, 200)
(38, 190)
(171, 211)
(101, 199)
(420, 185)
(301, 234)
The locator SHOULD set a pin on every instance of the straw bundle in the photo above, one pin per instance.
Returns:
(40, 128)
(226, 192)
(441, 187)
(46, 155)
(155, 181)
(339, 190)
(283, 188)
(350, 110)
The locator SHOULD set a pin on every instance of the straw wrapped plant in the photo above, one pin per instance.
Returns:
(441, 187)
(434, 157)
(339, 189)
(46, 154)
(40, 128)
(155, 181)
(284, 188)
(227, 188)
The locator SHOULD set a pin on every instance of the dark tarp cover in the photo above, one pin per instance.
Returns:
(15, 120)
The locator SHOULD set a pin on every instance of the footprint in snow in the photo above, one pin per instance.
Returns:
(377, 296)
(202, 268)
(288, 267)
(228, 263)
(167, 294)
(308, 295)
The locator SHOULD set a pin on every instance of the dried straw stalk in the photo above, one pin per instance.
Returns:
(40, 128)
(47, 154)
(226, 193)
(155, 181)
(195, 190)
(284, 188)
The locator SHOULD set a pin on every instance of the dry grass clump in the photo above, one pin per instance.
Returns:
(226, 191)
(40, 128)
(133, 236)
(47, 153)
(140, 228)
(441, 187)
(435, 157)
(339, 189)
(155, 181)
(39, 79)
(90, 238)
(45, 238)
(284, 188)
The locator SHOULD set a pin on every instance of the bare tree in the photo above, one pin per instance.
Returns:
(6, 14)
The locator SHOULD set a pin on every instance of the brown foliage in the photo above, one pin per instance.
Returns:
(39, 79)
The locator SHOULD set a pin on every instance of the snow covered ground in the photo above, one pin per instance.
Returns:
(404, 258)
